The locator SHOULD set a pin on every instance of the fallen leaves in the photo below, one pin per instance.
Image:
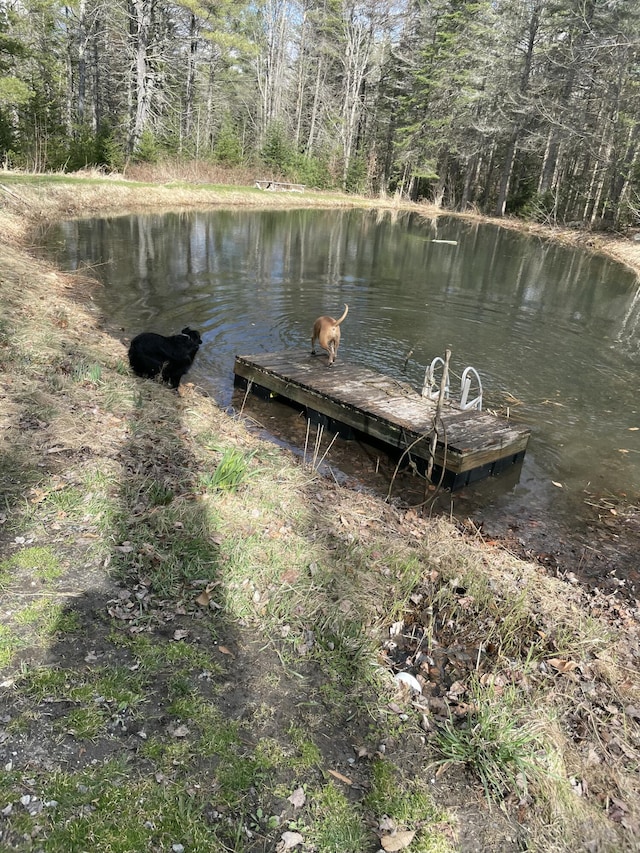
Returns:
(298, 798)
(337, 775)
(290, 576)
(288, 841)
(562, 666)
(205, 598)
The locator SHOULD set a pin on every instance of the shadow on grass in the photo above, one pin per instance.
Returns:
(163, 716)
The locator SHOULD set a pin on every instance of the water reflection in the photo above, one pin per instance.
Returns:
(551, 329)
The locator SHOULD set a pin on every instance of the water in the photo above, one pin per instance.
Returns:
(552, 331)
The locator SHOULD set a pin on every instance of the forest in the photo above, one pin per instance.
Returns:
(506, 107)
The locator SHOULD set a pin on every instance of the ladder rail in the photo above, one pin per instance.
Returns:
(470, 378)
(468, 374)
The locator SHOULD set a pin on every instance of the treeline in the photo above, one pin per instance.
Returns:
(529, 107)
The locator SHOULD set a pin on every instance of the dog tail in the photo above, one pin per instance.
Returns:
(346, 311)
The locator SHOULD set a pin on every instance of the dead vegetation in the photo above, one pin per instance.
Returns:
(218, 624)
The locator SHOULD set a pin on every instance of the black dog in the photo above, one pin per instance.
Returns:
(151, 354)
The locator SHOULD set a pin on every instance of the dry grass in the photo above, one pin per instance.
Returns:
(194, 172)
(86, 194)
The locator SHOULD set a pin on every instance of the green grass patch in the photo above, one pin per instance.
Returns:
(232, 470)
(36, 616)
(168, 754)
(66, 501)
(409, 805)
(36, 563)
(115, 686)
(85, 371)
(307, 754)
(337, 825)
(83, 723)
(107, 809)
(10, 643)
(240, 766)
(495, 742)
(43, 683)
(170, 563)
(44, 181)
(389, 795)
(68, 622)
(203, 734)
(155, 656)
(89, 699)
(48, 617)
(254, 568)
(270, 753)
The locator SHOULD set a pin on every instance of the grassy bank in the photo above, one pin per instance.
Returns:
(199, 635)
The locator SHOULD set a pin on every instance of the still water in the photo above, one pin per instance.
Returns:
(553, 332)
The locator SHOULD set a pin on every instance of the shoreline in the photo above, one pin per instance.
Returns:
(119, 195)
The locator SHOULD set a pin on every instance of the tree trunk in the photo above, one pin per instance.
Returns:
(141, 25)
(82, 64)
(209, 120)
(357, 52)
(474, 165)
(191, 77)
(271, 67)
(507, 171)
(315, 108)
(301, 78)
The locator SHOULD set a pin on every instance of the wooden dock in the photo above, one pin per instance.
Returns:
(280, 186)
(347, 397)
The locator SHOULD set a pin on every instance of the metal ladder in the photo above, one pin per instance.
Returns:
(431, 388)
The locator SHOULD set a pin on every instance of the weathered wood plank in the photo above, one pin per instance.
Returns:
(385, 409)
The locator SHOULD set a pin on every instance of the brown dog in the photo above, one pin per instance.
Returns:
(326, 331)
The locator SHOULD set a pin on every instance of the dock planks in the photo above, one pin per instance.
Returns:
(471, 444)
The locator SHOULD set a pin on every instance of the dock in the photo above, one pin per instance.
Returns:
(356, 401)
(280, 186)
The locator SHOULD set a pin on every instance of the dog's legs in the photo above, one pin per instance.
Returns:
(152, 368)
(173, 371)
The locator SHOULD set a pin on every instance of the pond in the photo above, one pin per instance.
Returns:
(554, 332)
